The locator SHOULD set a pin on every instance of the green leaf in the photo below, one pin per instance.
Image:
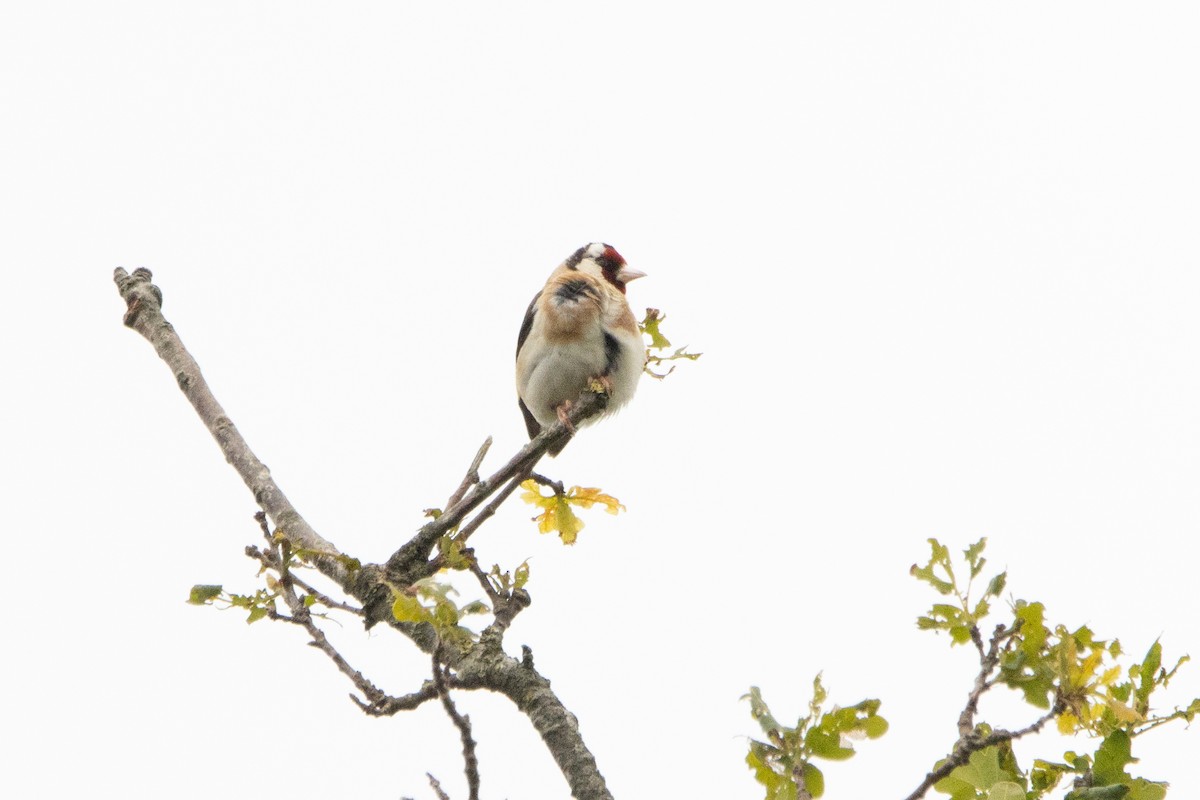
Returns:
(650, 327)
(409, 609)
(1006, 790)
(1046, 775)
(445, 615)
(761, 713)
(974, 559)
(982, 771)
(939, 557)
(1112, 756)
(814, 780)
(960, 634)
(874, 727)
(1142, 789)
(521, 575)
(451, 551)
(1033, 628)
(475, 607)
(824, 744)
(256, 613)
(202, 593)
(1098, 793)
(1150, 665)
(762, 773)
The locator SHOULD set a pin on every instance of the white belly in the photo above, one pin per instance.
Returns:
(553, 373)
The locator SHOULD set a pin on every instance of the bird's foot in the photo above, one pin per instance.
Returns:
(563, 409)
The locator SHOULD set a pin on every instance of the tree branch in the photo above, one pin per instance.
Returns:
(488, 667)
(971, 744)
(144, 314)
(470, 762)
(410, 562)
(437, 787)
(417, 550)
(472, 476)
(988, 659)
(379, 702)
(483, 666)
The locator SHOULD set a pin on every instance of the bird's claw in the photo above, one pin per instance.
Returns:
(562, 412)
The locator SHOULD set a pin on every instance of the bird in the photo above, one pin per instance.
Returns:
(579, 328)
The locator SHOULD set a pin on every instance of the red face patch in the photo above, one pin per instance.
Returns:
(611, 253)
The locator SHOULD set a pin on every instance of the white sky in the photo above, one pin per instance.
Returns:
(941, 258)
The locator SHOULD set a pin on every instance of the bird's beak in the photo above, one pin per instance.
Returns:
(625, 274)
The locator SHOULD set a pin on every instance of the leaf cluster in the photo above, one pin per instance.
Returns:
(650, 327)
(431, 601)
(783, 763)
(557, 514)
(1070, 673)
(258, 605)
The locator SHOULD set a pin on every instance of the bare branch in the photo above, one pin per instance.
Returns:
(144, 303)
(463, 723)
(379, 703)
(988, 659)
(437, 787)
(472, 476)
(489, 667)
(325, 599)
(490, 508)
(557, 486)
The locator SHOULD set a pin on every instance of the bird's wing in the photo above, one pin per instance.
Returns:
(527, 324)
(531, 424)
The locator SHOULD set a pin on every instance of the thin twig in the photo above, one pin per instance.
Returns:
(325, 599)
(490, 508)
(988, 660)
(472, 476)
(549, 483)
(418, 548)
(437, 787)
(968, 745)
(269, 561)
(463, 723)
(476, 570)
(379, 702)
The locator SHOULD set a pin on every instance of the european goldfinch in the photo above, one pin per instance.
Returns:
(579, 327)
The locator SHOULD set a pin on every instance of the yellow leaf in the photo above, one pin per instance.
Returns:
(559, 517)
(533, 494)
(1110, 676)
(557, 514)
(588, 497)
(1067, 722)
(1122, 712)
(566, 522)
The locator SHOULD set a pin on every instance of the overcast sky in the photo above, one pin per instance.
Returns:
(941, 258)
